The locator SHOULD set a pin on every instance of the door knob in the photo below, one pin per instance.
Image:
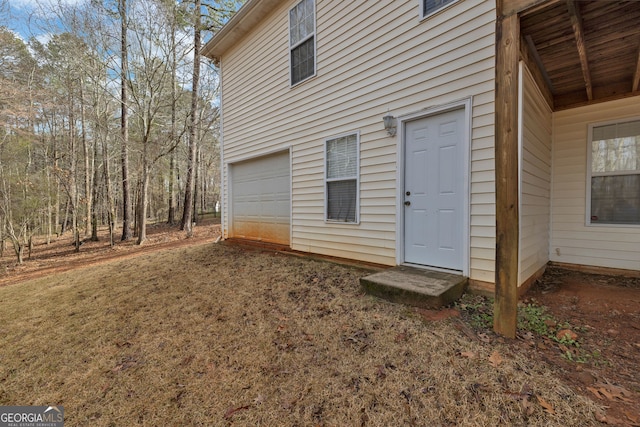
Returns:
(408, 193)
(407, 203)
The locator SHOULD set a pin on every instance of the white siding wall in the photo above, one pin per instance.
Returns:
(372, 57)
(572, 241)
(535, 176)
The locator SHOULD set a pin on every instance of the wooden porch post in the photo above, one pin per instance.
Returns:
(506, 147)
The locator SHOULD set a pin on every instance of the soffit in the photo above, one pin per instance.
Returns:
(246, 19)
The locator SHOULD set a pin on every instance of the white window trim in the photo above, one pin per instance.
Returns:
(315, 43)
(357, 178)
(440, 9)
(588, 222)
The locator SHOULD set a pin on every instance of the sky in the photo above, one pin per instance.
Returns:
(26, 18)
(23, 17)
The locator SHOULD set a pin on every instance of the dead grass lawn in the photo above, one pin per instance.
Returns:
(215, 335)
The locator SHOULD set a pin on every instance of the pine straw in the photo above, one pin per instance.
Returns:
(217, 335)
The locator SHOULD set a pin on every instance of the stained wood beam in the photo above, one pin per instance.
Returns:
(506, 152)
(532, 59)
(509, 7)
(611, 92)
(636, 75)
(578, 31)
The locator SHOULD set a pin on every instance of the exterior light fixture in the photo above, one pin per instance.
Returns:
(390, 124)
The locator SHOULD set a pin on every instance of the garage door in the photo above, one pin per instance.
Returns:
(261, 199)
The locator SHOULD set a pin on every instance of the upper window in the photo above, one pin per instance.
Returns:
(342, 167)
(302, 41)
(429, 7)
(614, 173)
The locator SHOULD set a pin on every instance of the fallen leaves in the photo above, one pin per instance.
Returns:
(634, 418)
(610, 420)
(548, 408)
(495, 359)
(229, 413)
(566, 335)
(527, 405)
(601, 417)
(462, 327)
(610, 392)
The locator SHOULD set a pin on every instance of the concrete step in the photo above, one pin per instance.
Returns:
(415, 286)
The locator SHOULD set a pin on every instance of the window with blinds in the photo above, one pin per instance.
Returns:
(302, 41)
(342, 170)
(614, 173)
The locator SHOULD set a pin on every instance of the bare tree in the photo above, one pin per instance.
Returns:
(109, 99)
(4, 9)
(187, 215)
(175, 22)
(124, 122)
(22, 193)
(154, 96)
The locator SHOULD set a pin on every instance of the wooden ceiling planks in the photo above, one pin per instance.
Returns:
(586, 47)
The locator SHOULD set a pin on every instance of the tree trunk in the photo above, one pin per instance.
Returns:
(94, 195)
(124, 124)
(16, 239)
(107, 183)
(74, 203)
(204, 187)
(73, 174)
(193, 145)
(171, 219)
(196, 179)
(143, 205)
(87, 162)
(136, 204)
(56, 205)
(49, 219)
(172, 192)
(65, 221)
(19, 248)
(2, 235)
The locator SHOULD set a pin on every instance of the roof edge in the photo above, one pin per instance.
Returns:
(252, 12)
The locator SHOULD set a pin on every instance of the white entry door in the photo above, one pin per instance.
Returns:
(434, 174)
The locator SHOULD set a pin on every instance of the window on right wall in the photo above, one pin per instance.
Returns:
(614, 173)
(428, 7)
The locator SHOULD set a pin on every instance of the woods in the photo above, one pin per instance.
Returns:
(107, 118)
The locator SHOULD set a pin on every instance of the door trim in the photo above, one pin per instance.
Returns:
(465, 104)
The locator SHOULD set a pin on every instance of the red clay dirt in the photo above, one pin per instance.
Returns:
(604, 312)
